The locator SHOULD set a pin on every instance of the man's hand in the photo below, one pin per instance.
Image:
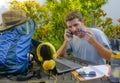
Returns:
(90, 37)
(68, 35)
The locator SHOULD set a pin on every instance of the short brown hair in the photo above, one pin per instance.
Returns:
(72, 15)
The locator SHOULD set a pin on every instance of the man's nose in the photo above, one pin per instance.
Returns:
(74, 28)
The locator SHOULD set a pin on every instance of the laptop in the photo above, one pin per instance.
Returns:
(64, 65)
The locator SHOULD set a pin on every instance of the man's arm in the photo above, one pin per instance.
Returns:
(103, 51)
(68, 37)
(62, 50)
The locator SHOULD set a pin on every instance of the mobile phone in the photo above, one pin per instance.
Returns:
(71, 33)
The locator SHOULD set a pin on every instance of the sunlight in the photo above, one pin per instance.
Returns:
(2, 3)
(5, 3)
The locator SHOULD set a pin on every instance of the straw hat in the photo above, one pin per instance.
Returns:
(12, 18)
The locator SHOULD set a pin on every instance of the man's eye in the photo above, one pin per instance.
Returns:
(69, 27)
(76, 25)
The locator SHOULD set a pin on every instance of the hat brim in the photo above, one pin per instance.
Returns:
(23, 20)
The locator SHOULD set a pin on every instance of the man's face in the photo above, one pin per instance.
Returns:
(75, 26)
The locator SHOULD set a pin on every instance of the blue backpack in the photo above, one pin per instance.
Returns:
(15, 48)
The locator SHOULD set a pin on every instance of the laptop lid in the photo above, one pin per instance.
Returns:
(64, 65)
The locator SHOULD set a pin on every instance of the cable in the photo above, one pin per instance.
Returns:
(75, 76)
(77, 81)
(37, 81)
(53, 76)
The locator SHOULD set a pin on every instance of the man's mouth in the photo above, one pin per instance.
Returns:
(80, 33)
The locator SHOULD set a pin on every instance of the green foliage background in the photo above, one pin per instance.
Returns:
(49, 17)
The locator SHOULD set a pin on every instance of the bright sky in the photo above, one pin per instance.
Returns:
(5, 2)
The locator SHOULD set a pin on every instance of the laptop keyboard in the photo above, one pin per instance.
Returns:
(61, 67)
(68, 63)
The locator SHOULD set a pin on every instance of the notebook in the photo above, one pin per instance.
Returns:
(100, 70)
(64, 65)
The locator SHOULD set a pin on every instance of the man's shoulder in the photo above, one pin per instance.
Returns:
(97, 31)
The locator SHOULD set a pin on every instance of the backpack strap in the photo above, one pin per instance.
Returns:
(27, 28)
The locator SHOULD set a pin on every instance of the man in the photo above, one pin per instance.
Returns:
(89, 44)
